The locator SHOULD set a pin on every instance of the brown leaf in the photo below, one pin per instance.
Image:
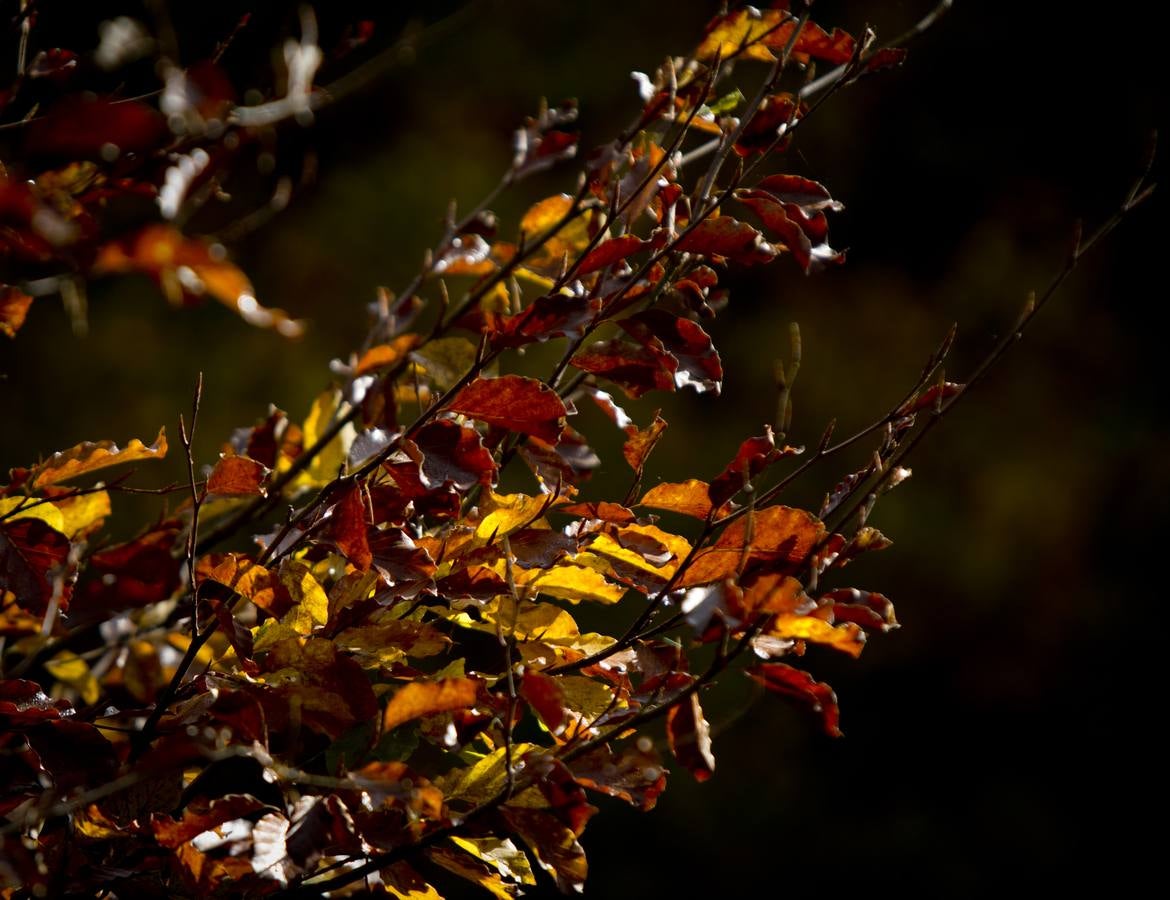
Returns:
(247, 578)
(383, 356)
(199, 817)
(814, 695)
(238, 476)
(633, 774)
(90, 456)
(555, 845)
(690, 739)
(553, 315)
(515, 403)
(605, 511)
(425, 698)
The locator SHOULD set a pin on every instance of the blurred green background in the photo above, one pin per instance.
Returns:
(1005, 730)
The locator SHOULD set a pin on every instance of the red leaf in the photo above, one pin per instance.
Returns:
(32, 556)
(554, 315)
(753, 456)
(815, 695)
(81, 127)
(348, 527)
(722, 237)
(698, 361)
(545, 696)
(634, 369)
(515, 403)
(134, 574)
(453, 454)
(608, 252)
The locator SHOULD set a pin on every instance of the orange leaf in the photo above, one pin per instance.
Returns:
(781, 539)
(423, 698)
(189, 267)
(237, 476)
(688, 497)
(14, 305)
(89, 457)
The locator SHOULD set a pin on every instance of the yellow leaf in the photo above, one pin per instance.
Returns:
(571, 239)
(71, 669)
(501, 854)
(331, 460)
(846, 637)
(405, 883)
(425, 698)
(90, 456)
(82, 512)
(508, 512)
(483, 780)
(311, 603)
(572, 583)
(474, 871)
(46, 512)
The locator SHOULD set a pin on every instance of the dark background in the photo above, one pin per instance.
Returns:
(1006, 730)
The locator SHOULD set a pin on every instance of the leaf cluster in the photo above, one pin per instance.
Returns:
(350, 655)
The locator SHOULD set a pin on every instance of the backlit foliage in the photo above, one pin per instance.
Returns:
(391, 679)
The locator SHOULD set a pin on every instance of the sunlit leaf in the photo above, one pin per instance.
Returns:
(90, 457)
(237, 476)
(847, 637)
(690, 498)
(427, 698)
(310, 602)
(331, 459)
(781, 540)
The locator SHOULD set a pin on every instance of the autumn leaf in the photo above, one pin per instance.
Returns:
(14, 305)
(428, 698)
(814, 695)
(690, 498)
(690, 739)
(87, 457)
(781, 540)
(513, 402)
(187, 267)
(237, 476)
